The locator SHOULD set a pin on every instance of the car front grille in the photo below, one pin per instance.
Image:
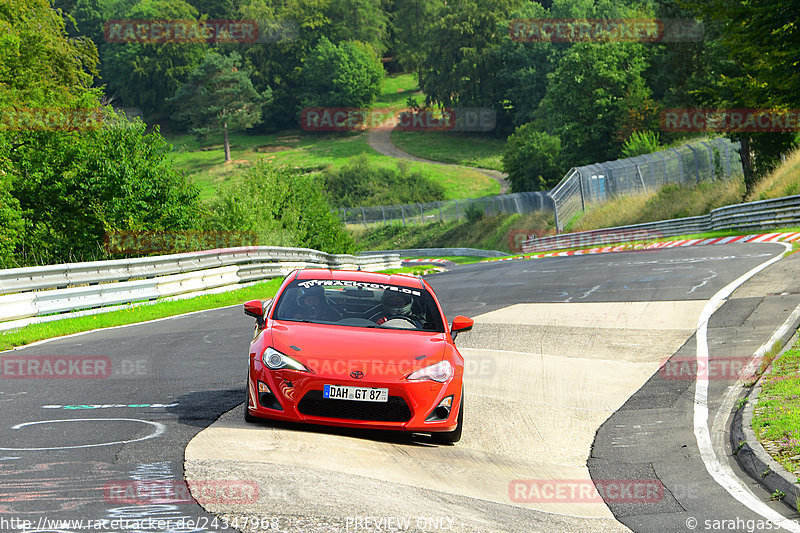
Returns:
(395, 410)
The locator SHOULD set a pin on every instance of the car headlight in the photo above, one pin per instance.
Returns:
(441, 372)
(275, 360)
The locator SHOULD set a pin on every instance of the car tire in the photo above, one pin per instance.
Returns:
(451, 437)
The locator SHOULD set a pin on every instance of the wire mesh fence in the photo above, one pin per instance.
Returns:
(421, 213)
(596, 183)
(599, 182)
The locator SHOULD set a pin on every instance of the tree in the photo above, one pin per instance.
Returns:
(532, 159)
(39, 65)
(411, 21)
(345, 75)
(358, 20)
(146, 74)
(762, 46)
(219, 97)
(588, 95)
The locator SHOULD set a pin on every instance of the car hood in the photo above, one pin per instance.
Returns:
(336, 351)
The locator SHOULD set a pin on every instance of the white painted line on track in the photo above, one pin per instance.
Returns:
(159, 430)
(722, 473)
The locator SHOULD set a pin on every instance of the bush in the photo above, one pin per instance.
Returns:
(73, 187)
(283, 207)
(360, 184)
(347, 74)
(532, 159)
(640, 142)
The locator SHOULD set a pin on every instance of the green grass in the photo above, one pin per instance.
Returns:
(783, 181)
(139, 313)
(489, 233)
(776, 417)
(310, 151)
(396, 90)
(671, 201)
(470, 149)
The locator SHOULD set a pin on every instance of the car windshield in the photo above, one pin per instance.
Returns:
(359, 304)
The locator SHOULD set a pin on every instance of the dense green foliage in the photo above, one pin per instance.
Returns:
(562, 103)
(345, 75)
(359, 184)
(532, 159)
(283, 208)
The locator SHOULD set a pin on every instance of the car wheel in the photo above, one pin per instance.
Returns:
(450, 437)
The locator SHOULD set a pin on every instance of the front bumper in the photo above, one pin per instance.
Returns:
(299, 396)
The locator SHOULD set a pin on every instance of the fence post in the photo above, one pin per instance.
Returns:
(641, 179)
(680, 162)
(439, 205)
(696, 163)
(421, 214)
(403, 215)
(383, 214)
(458, 216)
(583, 196)
(363, 217)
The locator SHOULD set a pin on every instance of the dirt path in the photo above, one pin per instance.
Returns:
(379, 139)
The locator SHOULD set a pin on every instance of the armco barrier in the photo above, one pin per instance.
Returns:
(763, 214)
(36, 291)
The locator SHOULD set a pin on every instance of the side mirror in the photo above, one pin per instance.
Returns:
(255, 309)
(460, 323)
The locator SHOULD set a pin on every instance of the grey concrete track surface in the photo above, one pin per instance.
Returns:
(533, 422)
(652, 434)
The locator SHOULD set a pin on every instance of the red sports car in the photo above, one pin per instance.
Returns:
(356, 349)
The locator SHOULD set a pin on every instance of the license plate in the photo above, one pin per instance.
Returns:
(360, 394)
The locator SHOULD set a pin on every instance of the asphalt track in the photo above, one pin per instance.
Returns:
(562, 347)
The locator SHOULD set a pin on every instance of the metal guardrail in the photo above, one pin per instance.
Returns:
(433, 252)
(42, 290)
(763, 214)
(421, 213)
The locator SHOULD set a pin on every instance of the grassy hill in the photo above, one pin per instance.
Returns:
(204, 164)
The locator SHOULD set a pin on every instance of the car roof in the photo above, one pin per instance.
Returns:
(402, 280)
